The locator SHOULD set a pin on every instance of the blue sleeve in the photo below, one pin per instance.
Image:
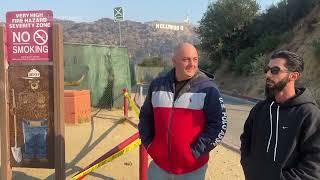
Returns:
(146, 122)
(216, 123)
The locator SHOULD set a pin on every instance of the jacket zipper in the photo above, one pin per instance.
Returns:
(169, 132)
(170, 124)
(170, 121)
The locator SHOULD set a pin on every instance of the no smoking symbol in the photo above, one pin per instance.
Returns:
(40, 37)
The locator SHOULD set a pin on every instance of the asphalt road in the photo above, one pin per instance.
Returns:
(237, 112)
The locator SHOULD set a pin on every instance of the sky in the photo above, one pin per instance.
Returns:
(135, 10)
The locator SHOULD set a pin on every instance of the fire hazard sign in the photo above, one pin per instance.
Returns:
(29, 35)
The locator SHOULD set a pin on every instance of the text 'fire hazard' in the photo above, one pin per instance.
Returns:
(29, 35)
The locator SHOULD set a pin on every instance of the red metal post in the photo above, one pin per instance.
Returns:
(125, 103)
(143, 163)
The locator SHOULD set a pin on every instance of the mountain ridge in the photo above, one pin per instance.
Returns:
(142, 39)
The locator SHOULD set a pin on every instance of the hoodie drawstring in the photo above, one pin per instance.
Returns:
(276, 145)
(270, 136)
(277, 131)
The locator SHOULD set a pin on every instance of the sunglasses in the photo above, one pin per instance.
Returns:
(274, 70)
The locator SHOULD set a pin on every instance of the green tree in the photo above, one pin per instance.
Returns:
(234, 30)
(223, 21)
(153, 62)
(298, 9)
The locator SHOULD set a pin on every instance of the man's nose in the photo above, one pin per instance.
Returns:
(191, 63)
(268, 74)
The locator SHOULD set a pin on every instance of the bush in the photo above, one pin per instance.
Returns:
(258, 64)
(242, 62)
(287, 36)
(315, 93)
(249, 62)
(316, 48)
(210, 62)
(268, 43)
(153, 62)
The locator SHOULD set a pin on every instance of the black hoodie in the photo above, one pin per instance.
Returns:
(282, 141)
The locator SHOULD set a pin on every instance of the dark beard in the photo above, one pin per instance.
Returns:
(270, 92)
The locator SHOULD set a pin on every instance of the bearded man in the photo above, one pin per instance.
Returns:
(281, 137)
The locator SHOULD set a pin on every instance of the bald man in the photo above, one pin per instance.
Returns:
(182, 119)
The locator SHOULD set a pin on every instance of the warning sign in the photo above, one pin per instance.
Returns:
(29, 35)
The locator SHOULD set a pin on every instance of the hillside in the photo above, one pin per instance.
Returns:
(142, 39)
(304, 33)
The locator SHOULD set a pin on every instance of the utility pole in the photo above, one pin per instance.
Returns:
(119, 33)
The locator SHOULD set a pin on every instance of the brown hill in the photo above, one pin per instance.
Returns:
(142, 39)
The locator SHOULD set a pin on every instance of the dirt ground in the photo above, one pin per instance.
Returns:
(86, 142)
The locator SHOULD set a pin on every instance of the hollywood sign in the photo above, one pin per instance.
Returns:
(169, 27)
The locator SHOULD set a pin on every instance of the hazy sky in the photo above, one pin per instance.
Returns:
(136, 10)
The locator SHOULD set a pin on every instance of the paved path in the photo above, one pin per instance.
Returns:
(237, 111)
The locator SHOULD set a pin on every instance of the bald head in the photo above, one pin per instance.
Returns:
(184, 48)
(185, 61)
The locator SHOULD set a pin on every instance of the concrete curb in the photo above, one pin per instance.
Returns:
(252, 99)
(231, 146)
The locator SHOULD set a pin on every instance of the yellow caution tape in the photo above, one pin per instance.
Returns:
(132, 104)
(128, 148)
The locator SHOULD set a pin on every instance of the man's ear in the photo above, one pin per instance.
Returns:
(173, 61)
(294, 76)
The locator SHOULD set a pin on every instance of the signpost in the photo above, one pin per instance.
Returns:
(118, 17)
(31, 87)
(6, 172)
(118, 14)
(58, 76)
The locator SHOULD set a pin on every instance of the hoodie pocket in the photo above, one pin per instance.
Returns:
(190, 157)
(157, 151)
(182, 156)
(149, 146)
(261, 169)
(248, 167)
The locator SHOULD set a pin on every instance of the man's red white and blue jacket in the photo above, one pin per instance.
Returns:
(180, 132)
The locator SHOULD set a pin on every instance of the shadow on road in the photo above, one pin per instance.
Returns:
(21, 175)
(71, 167)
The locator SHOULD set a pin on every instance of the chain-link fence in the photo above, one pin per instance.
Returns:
(104, 70)
(143, 75)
